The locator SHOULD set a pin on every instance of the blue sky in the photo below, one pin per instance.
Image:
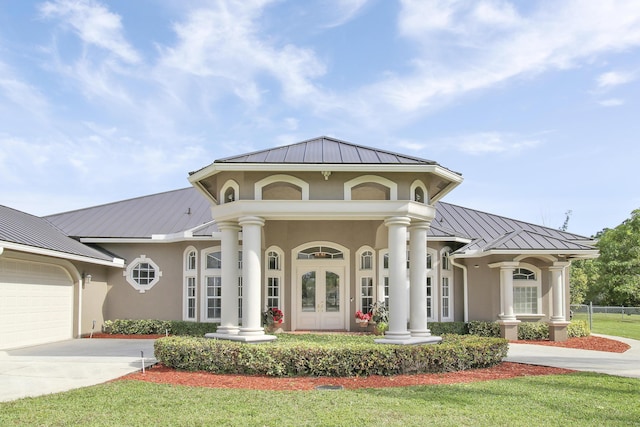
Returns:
(535, 103)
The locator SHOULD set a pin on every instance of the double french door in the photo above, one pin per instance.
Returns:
(320, 302)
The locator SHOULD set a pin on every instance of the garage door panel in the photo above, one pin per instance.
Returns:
(36, 304)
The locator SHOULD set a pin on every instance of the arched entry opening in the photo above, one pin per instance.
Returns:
(320, 286)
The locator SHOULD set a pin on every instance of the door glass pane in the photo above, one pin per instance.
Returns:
(309, 291)
(332, 281)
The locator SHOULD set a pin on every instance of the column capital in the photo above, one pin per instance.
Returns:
(397, 220)
(251, 220)
(505, 265)
(417, 225)
(228, 225)
(559, 265)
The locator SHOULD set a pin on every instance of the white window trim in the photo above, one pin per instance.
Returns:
(383, 273)
(128, 274)
(207, 272)
(360, 274)
(419, 184)
(392, 186)
(524, 283)
(303, 185)
(433, 274)
(229, 184)
(448, 274)
(187, 274)
(278, 274)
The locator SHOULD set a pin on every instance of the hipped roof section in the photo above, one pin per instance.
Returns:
(23, 232)
(325, 150)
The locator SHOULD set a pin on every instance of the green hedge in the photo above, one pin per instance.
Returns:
(528, 330)
(334, 357)
(441, 328)
(154, 326)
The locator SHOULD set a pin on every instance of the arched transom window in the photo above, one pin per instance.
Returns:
(320, 252)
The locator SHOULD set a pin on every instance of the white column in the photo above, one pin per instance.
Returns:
(557, 291)
(418, 280)
(397, 278)
(506, 282)
(230, 247)
(251, 275)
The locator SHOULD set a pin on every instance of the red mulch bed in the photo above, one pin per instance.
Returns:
(164, 375)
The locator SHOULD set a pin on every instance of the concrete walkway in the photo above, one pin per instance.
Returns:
(625, 364)
(66, 365)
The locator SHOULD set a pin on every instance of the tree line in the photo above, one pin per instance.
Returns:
(614, 277)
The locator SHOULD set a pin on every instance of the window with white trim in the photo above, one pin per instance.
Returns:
(365, 278)
(240, 286)
(212, 283)
(189, 311)
(446, 286)
(431, 285)
(274, 273)
(526, 291)
(383, 290)
(142, 274)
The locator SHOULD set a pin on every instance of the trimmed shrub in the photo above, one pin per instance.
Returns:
(534, 331)
(154, 326)
(334, 357)
(441, 328)
(484, 329)
(578, 328)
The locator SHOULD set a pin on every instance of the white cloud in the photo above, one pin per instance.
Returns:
(22, 94)
(611, 102)
(344, 11)
(470, 46)
(614, 78)
(94, 24)
(492, 143)
(222, 46)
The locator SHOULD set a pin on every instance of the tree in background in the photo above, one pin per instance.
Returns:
(619, 262)
(614, 277)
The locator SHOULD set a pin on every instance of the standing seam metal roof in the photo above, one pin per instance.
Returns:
(28, 230)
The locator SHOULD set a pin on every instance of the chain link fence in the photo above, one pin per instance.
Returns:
(598, 311)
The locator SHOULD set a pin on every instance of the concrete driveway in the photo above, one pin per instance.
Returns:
(625, 364)
(62, 366)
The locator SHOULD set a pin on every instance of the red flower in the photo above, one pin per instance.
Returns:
(363, 316)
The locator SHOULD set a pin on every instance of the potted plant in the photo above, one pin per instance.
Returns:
(380, 317)
(362, 319)
(272, 319)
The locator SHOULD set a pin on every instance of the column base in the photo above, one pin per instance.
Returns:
(251, 332)
(249, 339)
(410, 340)
(558, 331)
(509, 329)
(229, 330)
(420, 332)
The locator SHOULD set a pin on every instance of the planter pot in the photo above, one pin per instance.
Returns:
(363, 324)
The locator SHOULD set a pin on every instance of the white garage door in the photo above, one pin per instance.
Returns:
(36, 304)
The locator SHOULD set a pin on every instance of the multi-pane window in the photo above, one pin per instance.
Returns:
(525, 291)
(429, 298)
(366, 260)
(446, 263)
(191, 298)
(274, 279)
(366, 293)
(214, 260)
(190, 274)
(240, 298)
(214, 297)
(446, 290)
(143, 273)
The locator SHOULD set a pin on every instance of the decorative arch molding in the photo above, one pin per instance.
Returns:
(303, 185)
(543, 257)
(417, 188)
(387, 183)
(230, 188)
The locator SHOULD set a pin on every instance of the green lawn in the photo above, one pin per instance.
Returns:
(577, 399)
(613, 324)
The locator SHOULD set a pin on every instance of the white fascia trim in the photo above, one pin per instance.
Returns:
(323, 210)
(321, 167)
(155, 238)
(450, 239)
(115, 262)
(577, 254)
